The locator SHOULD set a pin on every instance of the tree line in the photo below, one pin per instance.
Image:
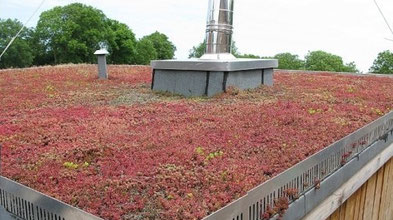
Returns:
(71, 34)
(313, 61)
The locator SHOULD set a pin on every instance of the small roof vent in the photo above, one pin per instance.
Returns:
(101, 52)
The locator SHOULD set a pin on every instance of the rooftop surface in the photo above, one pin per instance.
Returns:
(119, 151)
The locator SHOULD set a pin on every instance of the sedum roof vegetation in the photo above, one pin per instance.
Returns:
(117, 150)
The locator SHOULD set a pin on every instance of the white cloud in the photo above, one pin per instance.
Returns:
(352, 29)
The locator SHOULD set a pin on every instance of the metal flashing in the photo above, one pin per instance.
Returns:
(215, 65)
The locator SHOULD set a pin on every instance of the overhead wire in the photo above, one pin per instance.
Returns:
(384, 17)
(23, 27)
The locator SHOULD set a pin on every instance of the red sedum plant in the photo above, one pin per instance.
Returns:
(120, 151)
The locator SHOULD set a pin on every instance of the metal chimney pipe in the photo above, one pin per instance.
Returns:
(219, 30)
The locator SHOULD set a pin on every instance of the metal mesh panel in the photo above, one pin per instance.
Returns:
(28, 204)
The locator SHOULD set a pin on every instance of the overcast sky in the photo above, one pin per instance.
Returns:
(352, 29)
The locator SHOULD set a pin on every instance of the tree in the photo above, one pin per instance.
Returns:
(323, 61)
(199, 51)
(289, 61)
(234, 50)
(248, 56)
(122, 44)
(145, 52)
(20, 53)
(383, 64)
(350, 68)
(71, 34)
(164, 48)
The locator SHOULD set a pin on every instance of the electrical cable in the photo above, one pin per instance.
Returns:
(383, 16)
(20, 31)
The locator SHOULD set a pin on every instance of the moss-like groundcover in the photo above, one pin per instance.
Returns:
(120, 151)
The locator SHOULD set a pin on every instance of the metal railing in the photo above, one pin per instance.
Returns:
(307, 174)
(28, 204)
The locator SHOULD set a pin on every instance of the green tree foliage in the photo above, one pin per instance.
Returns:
(122, 44)
(234, 50)
(350, 68)
(199, 50)
(384, 63)
(71, 34)
(289, 61)
(145, 52)
(323, 61)
(20, 53)
(248, 56)
(164, 48)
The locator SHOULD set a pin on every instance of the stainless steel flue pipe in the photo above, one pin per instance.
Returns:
(219, 30)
